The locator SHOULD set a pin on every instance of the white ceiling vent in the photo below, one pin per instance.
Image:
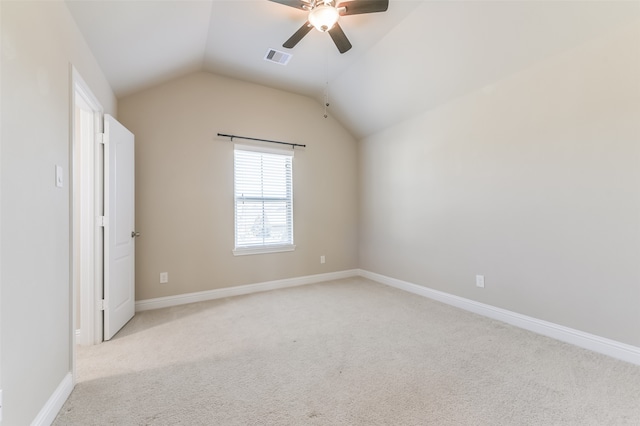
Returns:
(277, 57)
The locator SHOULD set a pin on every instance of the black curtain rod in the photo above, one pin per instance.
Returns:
(292, 145)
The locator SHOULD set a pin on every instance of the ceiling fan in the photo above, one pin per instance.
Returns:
(324, 15)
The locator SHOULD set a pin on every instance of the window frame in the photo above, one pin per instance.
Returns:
(243, 250)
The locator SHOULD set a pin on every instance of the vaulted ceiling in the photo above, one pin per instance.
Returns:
(415, 56)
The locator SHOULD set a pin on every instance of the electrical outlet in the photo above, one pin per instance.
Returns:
(322, 259)
(480, 281)
(164, 277)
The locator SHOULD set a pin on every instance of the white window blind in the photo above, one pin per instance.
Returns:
(263, 200)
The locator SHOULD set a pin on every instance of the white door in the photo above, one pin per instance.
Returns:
(119, 234)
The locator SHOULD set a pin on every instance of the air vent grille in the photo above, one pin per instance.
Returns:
(277, 57)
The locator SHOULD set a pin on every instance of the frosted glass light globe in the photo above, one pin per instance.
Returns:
(323, 17)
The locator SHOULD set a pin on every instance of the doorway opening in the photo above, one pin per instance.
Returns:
(87, 206)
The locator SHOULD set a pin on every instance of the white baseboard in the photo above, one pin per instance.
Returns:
(584, 340)
(48, 413)
(579, 338)
(181, 299)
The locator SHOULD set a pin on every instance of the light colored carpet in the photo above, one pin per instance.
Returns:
(348, 352)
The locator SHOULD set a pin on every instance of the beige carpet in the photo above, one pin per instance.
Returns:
(348, 352)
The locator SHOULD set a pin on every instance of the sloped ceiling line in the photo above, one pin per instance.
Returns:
(415, 56)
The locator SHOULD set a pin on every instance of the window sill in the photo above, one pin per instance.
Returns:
(263, 250)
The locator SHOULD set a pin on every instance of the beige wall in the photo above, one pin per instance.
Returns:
(533, 182)
(184, 184)
(39, 42)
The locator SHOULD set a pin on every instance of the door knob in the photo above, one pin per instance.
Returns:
(134, 234)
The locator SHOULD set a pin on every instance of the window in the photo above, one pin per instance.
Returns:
(263, 200)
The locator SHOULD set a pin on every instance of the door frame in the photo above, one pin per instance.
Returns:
(83, 222)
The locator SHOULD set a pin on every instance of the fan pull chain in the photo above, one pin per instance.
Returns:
(326, 87)
(326, 100)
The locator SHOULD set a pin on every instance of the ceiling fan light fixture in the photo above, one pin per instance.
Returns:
(324, 17)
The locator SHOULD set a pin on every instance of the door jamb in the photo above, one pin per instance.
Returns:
(91, 292)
